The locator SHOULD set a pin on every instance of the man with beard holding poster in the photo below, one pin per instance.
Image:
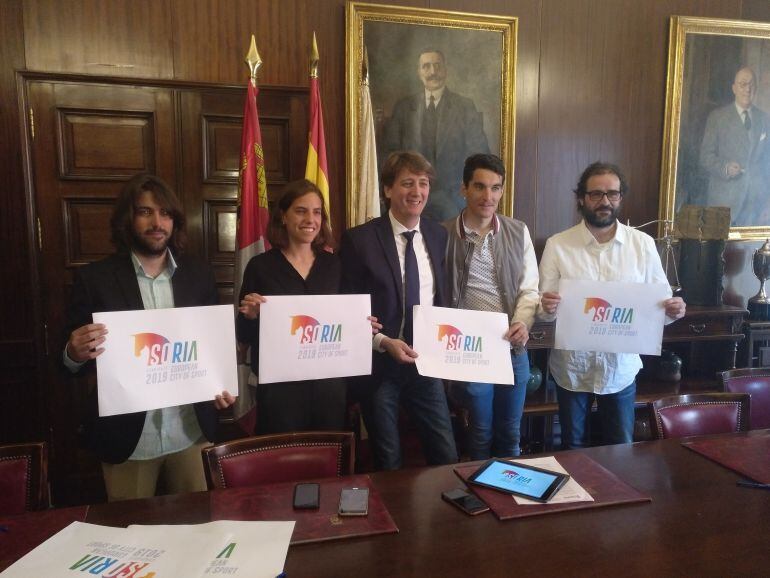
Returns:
(148, 271)
(599, 248)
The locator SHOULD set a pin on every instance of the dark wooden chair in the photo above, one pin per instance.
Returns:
(23, 477)
(277, 458)
(699, 414)
(756, 382)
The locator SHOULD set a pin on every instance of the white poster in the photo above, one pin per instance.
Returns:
(314, 337)
(157, 358)
(462, 345)
(610, 316)
(248, 549)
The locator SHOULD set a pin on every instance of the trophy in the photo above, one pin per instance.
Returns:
(759, 305)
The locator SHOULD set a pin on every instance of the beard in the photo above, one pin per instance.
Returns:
(150, 247)
(593, 218)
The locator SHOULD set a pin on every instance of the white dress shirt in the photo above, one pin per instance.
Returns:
(427, 286)
(630, 256)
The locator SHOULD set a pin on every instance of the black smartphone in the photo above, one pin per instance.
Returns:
(306, 496)
(354, 502)
(466, 501)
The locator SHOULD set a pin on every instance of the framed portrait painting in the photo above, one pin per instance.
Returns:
(440, 83)
(716, 147)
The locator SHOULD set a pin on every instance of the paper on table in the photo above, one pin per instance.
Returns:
(570, 492)
(247, 548)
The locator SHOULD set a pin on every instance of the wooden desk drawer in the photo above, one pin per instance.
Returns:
(695, 327)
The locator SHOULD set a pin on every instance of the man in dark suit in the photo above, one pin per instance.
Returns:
(147, 272)
(398, 259)
(442, 125)
(735, 154)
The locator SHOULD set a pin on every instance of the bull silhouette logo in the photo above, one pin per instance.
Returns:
(447, 331)
(300, 322)
(148, 340)
(600, 307)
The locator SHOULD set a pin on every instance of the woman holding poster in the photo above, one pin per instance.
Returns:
(297, 264)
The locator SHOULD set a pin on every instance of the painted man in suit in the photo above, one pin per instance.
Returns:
(444, 127)
(398, 259)
(735, 154)
(148, 271)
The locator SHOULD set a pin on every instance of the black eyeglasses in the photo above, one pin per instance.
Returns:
(612, 196)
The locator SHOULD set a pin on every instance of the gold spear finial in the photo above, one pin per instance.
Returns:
(253, 60)
(314, 58)
(365, 68)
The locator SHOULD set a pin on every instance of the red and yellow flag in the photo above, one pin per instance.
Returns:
(252, 191)
(317, 170)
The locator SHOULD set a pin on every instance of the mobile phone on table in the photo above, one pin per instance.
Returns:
(306, 496)
(466, 501)
(354, 502)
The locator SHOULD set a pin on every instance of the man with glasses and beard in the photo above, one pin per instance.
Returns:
(148, 271)
(599, 248)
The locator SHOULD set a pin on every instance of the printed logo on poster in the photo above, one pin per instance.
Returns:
(609, 320)
(317, 340)
(166, 360)
(461, 348)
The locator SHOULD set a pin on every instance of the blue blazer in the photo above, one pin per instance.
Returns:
(370, 265)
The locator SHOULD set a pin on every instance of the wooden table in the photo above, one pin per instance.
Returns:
(699, 523)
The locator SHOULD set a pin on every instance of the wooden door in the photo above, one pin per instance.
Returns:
(88, 140)
(210, 130)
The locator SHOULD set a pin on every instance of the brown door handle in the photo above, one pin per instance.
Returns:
(699, 328)
(537, 335)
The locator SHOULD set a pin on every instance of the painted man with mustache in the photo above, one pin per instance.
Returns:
(599, 248)
(443, 126)
(148, 271)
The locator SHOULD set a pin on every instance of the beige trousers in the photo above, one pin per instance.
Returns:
(182, 472)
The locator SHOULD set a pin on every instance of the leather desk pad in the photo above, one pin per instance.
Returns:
(604, 486)
(274, 502)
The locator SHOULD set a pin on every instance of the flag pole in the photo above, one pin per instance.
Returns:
(251, 221)
(316, 168)
(253, 60)
(315, 58)
(368, 191)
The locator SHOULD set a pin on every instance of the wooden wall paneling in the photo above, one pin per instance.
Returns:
(210, 128)
(756, 10)
(211, 40)
(90, 139)
(129, 38)
(602, 91)
(21, 399)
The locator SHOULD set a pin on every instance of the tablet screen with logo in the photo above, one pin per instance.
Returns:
(514, 478)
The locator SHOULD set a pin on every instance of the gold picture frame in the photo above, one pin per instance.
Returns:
(480, 60)
(711, 156)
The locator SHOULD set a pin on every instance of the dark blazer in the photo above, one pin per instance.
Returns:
(370, 265)
(459, 134)
(111, 285)
(725, 140)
